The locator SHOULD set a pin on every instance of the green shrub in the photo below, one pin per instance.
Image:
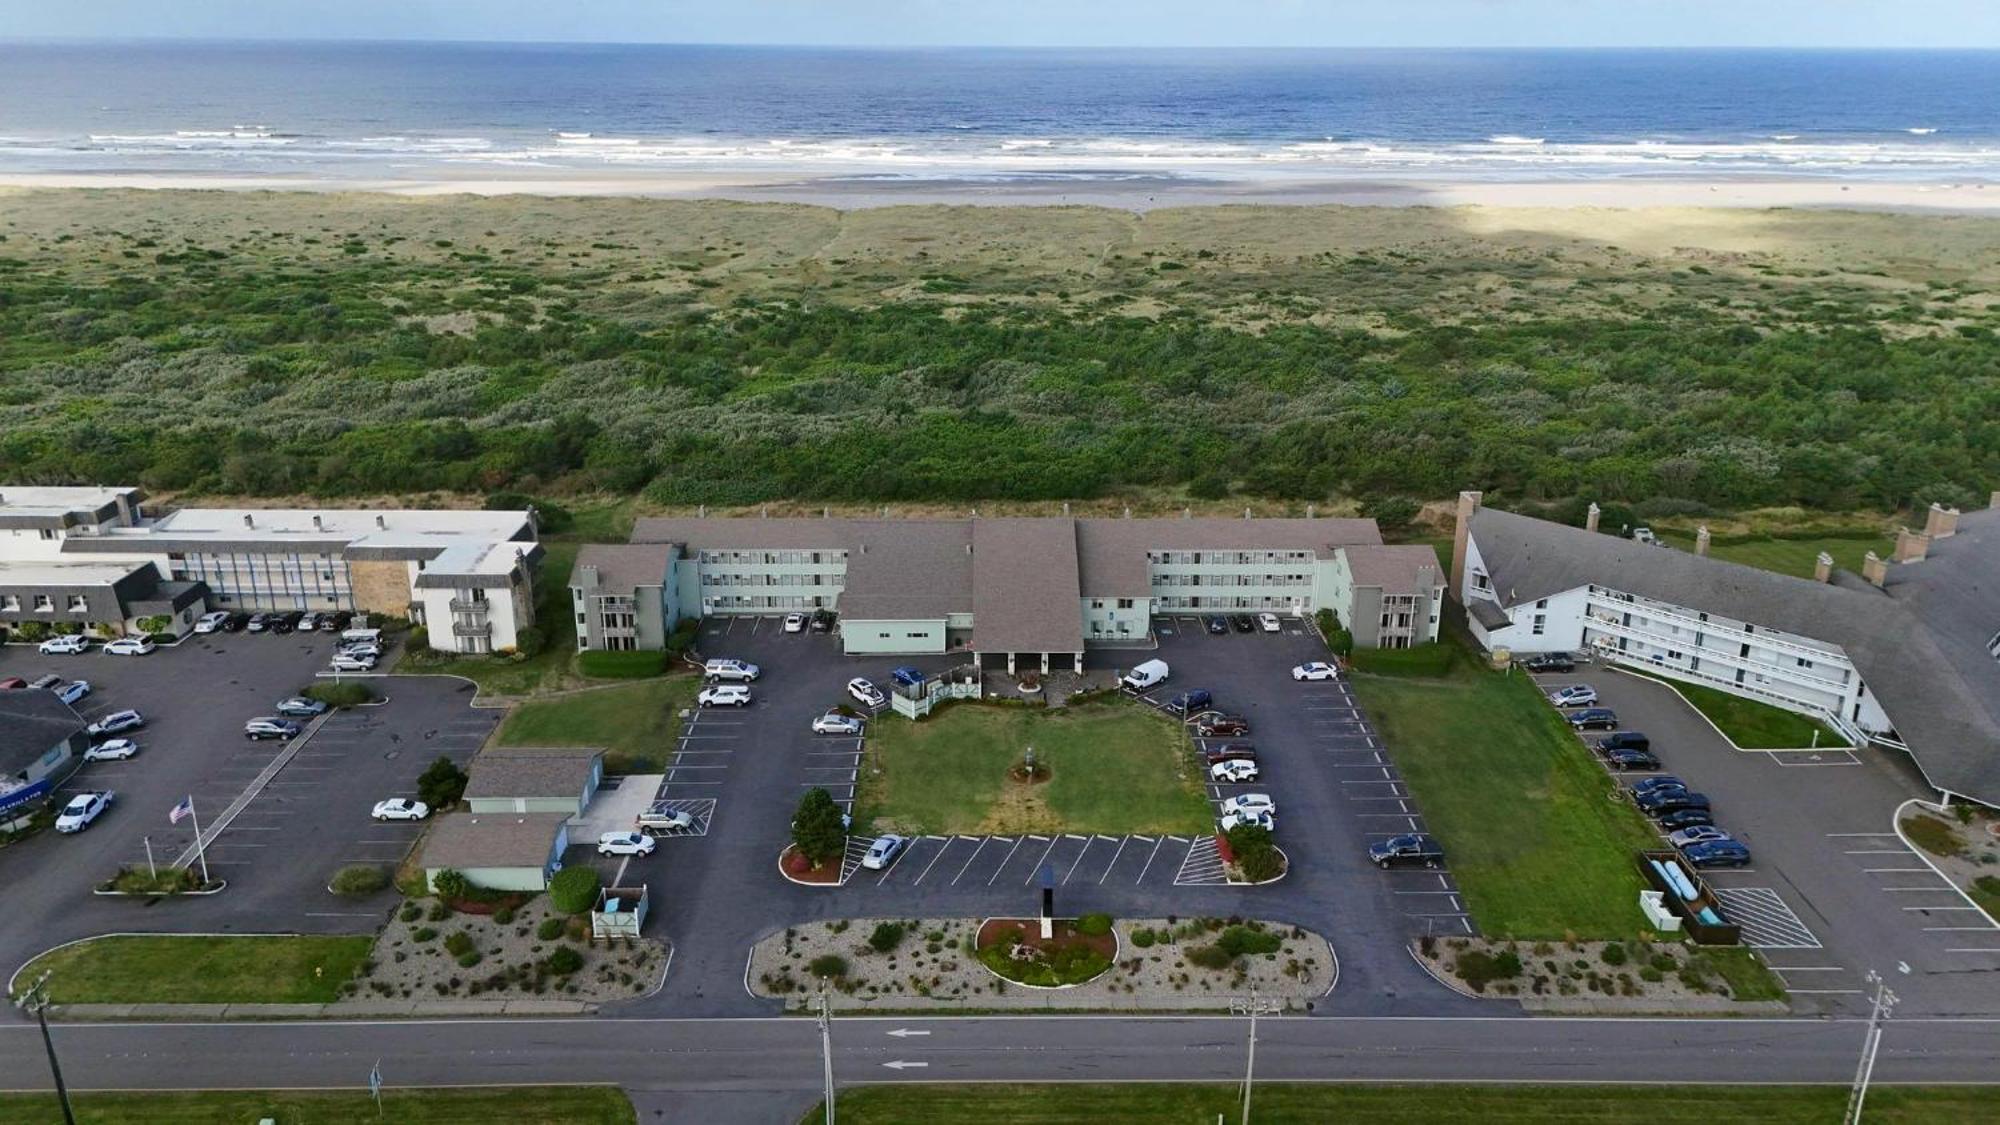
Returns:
(458, 943)
(469, 958)
(1143, 937)
(1478, 968)
(419, 640)
(410, 912)
(1932, 835)
(887, 936)
(550, 929)
(634, 665)
(530, 640)
(828, 966)
(1094, 925)
(359, 879)
(450, 885)
(423, 934)
(441, 784)
(347, 693)
(504, 915)
(32, 631)
(1614, 953)
(157, 623)
(1210, 957)
(1237, 941)
(682, 638)
(564, 960)
(574, 889)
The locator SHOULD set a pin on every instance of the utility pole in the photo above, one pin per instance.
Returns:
(1865, 1069)
(826, 1048)
(36, 999)
(1252, 1007)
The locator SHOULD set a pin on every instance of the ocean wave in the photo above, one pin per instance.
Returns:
(1921, 130)
(1511, 139)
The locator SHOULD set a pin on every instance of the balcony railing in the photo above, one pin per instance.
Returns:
(1687, 648)
(1711, 627)
(470, 605)
(471, 628)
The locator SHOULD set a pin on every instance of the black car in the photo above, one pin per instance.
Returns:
(1623, 760)
(1243, 622)
(1413, 848)
(1661, 801)
(1214, 724)
(1191, 702)
(1664, 781)
(335, 622)
(1230, 752)
(1216, 625)
(1593, 718)
(260, 622)
(1684, 818)
(235, 622)
(1624, 740)
(822, 621)
(1549, 662)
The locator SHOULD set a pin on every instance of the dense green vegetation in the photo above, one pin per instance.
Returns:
(528, 1105)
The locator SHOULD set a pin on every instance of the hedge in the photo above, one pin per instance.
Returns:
(359, 879)
(634, 665)
(574, 889)
(348, 694)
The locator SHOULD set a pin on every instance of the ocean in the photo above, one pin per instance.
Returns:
(373, 111)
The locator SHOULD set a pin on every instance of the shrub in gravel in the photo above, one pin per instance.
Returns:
(504, 915)
(1614, 953)
(1142, 937)
(469, 958)
(438, 912)
(411, 912)
(830, 966)
(550, 929)
(458, 943)
(423, 933)
(1094, 925)
(574, 889)
(564, 961)
(887, 936)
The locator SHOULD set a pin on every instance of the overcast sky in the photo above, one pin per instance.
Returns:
(1170, 23)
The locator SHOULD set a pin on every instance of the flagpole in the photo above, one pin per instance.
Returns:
(199, 853)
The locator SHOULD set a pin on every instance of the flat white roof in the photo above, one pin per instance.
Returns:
(382, 527)
(54, 500)
(66, 574)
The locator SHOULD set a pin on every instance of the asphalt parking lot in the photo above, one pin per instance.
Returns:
(1831, 892)
(279, 817)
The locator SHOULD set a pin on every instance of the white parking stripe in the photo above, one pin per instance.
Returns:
(1004, 862)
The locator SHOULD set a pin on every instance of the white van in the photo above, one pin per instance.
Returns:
(361, 637)
(1146, 675)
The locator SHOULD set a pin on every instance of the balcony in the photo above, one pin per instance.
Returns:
(470, 605)
(1809, 679)
(1688, 620)
(471, 628)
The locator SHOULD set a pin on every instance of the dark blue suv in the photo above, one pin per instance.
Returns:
(1717, 853)
(1189, 702)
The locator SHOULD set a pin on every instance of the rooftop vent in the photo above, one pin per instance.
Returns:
(319, 524)
(381, 521)
(249, 520)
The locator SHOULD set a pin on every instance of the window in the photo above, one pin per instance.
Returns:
(1803, 662)
(1542, 603)
(1480, 581)
(1124, 603)
(48, 533)
(1541, 624)
(43, 604)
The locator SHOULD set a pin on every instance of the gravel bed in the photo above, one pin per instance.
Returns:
(514, 960)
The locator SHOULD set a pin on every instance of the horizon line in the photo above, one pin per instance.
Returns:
(129, 40)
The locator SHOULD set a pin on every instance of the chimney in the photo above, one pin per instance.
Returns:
(1701, 538)
(1128, 511)
(1911, 546)
(1941, 522)
(382, 521)
(1468, 503)
(249, 520)
(764, 512)
(1246, 513)
(825, 513)
(702, 511)
(1874, 569)
(1312, 510)
(1591, 517)
(319, 524)
(1823, 568)
(1993, 501)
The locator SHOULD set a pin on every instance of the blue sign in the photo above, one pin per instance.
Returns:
(11, 801)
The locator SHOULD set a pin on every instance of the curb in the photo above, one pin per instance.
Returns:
(220, 886)
(1447, 982)
(16, 974)
(1719, 733)
(1117, 947)
(1896, 822)
(835, 885)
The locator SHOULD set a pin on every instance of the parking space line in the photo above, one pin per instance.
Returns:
(1004, 862)
(934, 859)
(1078, 861)
(968, 861)
(1038, 863)
(1892, 870)
(1149, 860)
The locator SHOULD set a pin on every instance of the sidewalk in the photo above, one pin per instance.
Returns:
(341, 1010)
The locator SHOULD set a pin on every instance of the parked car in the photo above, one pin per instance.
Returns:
(336, 621)
(866, 693)
(117, 722)
(907, 677)
(236, 622)
(626, 843)
(299, 707)
(259, 623)
(130, 646)
(1716, 853)
(1250, 803)
(1317, 670)
(833, 722)
(287, 622)
(1699, 834)
(1681, 819)
(723, 695)
(64, 645)
(795, 623)
(1191, 702)
(1624, 740)
(259, 729)
(1574, 695)
(46, 683)
(1594, 718)
(1671, 800)
(12, 683)
(400, 808)
(654, 821)
(1415, 847)
(1216, 624)
(731, 671)
(823, 621)
(1242, 623)
(1626, 760)
(1146, 674)
(1550, 662)
(1259, 817)
(1664, 781)
(1269, 622)
(82, 809)
(349, 662)
(1229, 752)
(308, 622)
(1233, 771)
(111, 750)
(883, 852)
(211, 622)
(1215, 724)
(73, 692)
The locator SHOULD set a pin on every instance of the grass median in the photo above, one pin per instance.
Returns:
(1112, 768)
(1750, 724)
(1279, 1103)
(636, 724)
(535, 1105)
(180, 969)
(1534, 836)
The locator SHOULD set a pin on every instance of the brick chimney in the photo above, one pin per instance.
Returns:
(1874, 569)
(1701, 538)
(1941, 522)
(1468, 503)
(1911, 546)
(1823, 568)
(1591, 517)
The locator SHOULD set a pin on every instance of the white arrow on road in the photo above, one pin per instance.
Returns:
(899, 1064)
(906, 1032)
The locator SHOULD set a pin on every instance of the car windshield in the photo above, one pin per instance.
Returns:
(78, 804)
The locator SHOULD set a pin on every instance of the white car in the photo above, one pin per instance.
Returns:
(1317, 670)
(1250, 804)
(81, 810)
(724, 695)
(72, 691)
(1233, 772)
(113, 750)
(1259, 818)
(626, 843)
(883, 852)
(210, 622)
(345, 663)
(360, 651)
(868, 694)
(117, 722)
(59, 646)
(1574, 695)
(1269, 621)
(666, 820)
(130, 646)
(400, 808)
(795, 623)
(833, 722)
(733, 671)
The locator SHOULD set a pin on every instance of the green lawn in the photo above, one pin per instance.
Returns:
(535, 1105)
(1279, 1103)
(162, 969)
(1114, 768)
(1753, 725)
(1535, 841)
(636, 724)
(550, 670)
(1796, 557)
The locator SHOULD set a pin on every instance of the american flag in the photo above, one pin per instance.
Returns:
(185, 808)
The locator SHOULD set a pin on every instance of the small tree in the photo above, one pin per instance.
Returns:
(442, 784)
(574, 889)
(817, 831)
(451, 885)
(157, 623)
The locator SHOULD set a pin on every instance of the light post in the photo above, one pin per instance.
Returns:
(1864, 1070)
(36, 999)
(1253, 1006)
(826, 1048)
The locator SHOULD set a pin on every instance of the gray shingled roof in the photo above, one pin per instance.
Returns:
(520, 771)
(1024, 586)
(624, 567)
(464, 840)
(908, 570)
(32, 722)
(1902, 640)
(1409, 568)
